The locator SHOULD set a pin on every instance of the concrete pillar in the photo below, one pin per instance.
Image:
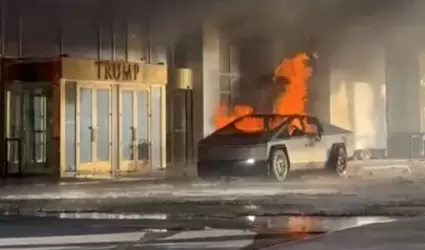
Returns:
(357, 86)
(403, 86)
(217, 55)
(211, 78)
(403, 95)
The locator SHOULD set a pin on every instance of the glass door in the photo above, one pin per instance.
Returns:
(94, 117)
(28, 132)
(134, 136)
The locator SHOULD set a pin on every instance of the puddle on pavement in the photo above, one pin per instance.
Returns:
(310, 224)
(260, 231)
(259, 224)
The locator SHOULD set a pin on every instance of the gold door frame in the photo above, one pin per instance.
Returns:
(114, 125)
(133, 165)
(94, 167)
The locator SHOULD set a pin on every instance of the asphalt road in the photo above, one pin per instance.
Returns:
(58, 233)
(312, 195)
(23, 232)
(242, 214)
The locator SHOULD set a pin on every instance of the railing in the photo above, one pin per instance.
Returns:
(417, 147)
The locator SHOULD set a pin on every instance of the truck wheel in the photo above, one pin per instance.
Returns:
(338, 161)
(279, 165)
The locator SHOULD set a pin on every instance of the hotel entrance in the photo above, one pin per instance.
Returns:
(29, 132)
(95, 119)
(119, 118)
(113, 125)
(93, 127)
(134, 131)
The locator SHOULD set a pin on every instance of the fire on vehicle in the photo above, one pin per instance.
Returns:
(247, 143)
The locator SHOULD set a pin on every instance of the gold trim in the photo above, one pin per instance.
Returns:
(94, 127)
(142, 166)
(94, 167)
(149, 126)
(8, 121)
(77, 128)
(62, 137)
(110, 139)
(163, 128)
(123, 165)
(116, 164)
(134, 131)
(117, 71)
(133, 165)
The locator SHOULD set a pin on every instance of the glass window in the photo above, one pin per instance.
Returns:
(70, 125)
(156, 125)
(86, 125)
(103, 115)
(127, 125)
(39, 119)
(142, 125)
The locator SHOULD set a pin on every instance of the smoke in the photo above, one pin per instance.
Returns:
(373, 74)
(175, 19)
(356, 42)
(249, 18)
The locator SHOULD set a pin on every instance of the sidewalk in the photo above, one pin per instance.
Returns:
(178, 179)
(170, 175)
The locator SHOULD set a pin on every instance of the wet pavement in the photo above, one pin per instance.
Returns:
(55, 232)
(191, 214)
(315, 196)
(404, 234)
(306, 194)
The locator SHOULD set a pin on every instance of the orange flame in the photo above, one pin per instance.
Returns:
(225, 116)
(295, 97)
(292, 101)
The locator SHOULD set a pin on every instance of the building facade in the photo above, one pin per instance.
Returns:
(128, 121)
(367, 79)
(81, 117)
(84, 89)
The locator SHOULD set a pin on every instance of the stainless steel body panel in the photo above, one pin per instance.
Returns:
(304, 151)
(298, 152)
(231, 153)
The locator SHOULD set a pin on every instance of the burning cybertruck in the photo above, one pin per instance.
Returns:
(272, 145)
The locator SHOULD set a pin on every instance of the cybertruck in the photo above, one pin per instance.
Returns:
(272, 145)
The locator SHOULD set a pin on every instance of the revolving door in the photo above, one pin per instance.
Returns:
(30, 129)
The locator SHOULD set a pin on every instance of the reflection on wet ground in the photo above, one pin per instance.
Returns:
(249, 232)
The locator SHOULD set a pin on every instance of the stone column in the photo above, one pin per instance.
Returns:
(403, 93)
(210, 78)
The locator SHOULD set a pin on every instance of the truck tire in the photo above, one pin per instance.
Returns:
(279, 165)
(338, 161)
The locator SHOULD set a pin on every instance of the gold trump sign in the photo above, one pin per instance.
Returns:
(117, 71)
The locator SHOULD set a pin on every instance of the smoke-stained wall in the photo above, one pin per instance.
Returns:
(214, 64)
(97, 29)
(404, 90)
(357, 86)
